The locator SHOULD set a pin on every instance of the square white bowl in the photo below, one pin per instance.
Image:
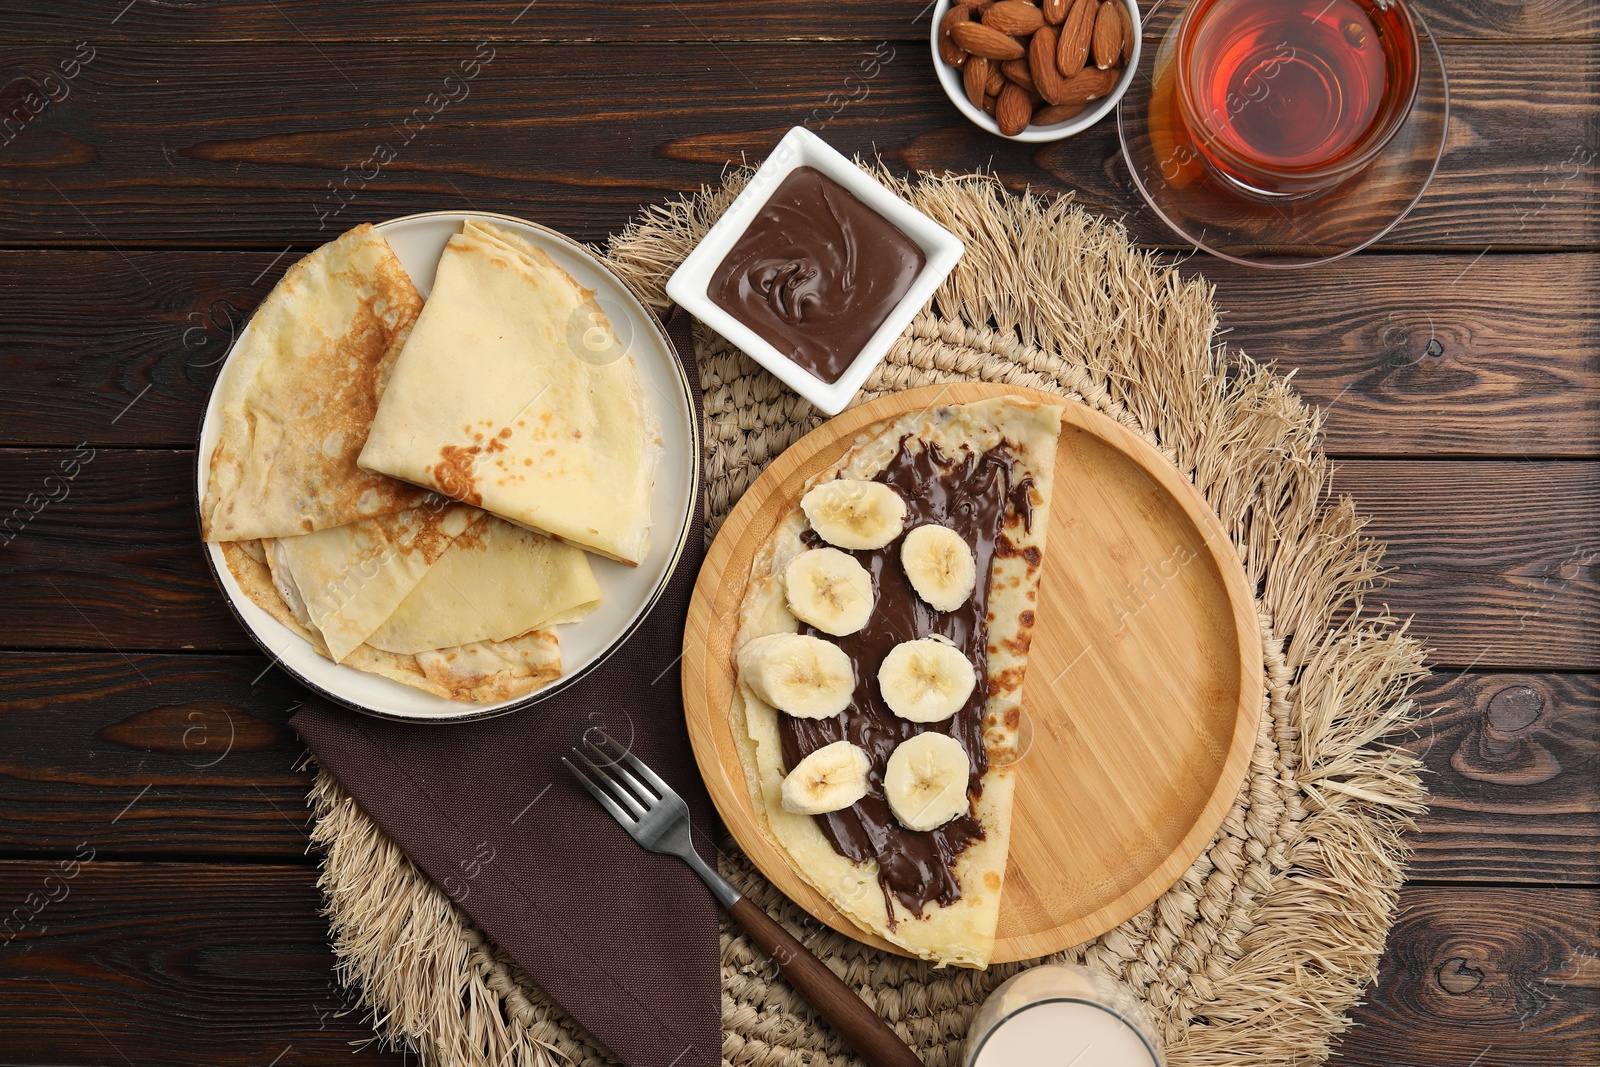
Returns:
(690, 284)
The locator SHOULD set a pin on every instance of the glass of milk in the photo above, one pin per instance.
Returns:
(1059, 1015)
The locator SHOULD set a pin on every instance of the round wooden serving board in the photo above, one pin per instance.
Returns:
(1143, 690)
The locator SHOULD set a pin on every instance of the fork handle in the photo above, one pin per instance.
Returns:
(848, 1014)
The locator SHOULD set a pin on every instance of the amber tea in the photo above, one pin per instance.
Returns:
(1285, 97)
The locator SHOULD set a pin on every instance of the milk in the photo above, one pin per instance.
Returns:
(1064, 1033)
(1062, 1016)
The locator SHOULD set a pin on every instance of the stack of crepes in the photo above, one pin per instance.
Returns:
(347, 383)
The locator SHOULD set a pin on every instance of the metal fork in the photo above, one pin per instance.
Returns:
(657, 818)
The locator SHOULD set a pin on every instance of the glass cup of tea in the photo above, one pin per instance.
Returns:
(1288, 98)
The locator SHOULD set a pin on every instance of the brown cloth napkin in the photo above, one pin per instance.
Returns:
(623, 939)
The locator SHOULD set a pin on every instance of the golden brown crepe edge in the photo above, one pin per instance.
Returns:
(402, 495)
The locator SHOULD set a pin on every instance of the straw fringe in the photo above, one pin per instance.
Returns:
(1256, 955)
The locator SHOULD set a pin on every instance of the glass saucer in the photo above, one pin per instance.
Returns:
(1282, 234)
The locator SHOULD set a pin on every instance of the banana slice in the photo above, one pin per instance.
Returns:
(926, 781)
(832, 777)
(805, 676)
(830, 590)
(938, 562)
(926, 680)
(853, 513)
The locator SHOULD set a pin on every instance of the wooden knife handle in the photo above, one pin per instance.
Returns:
(848, 1014)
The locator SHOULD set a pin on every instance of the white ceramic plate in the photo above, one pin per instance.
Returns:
(629, 592)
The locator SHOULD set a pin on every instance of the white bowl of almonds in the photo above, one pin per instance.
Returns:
(1035, 71)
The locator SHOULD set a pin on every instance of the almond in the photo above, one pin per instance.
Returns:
(988, 104)
(1012, 110)
(1051, 114)
(1127, 32)
(987, 41)
(1107, 45)
(1077, 32)
(997, 79)
(1015, 18)
(949, 51)
(1042, 63)
(1055, 11)
(1017, 70)
(974, 76)
(1090, 83)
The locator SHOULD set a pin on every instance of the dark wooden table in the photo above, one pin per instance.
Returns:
(164, 161)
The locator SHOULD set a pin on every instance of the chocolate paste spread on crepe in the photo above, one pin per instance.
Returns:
(497, 400)
(300, 391)
(984, 470)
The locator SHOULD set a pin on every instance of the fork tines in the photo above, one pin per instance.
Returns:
(615, 786)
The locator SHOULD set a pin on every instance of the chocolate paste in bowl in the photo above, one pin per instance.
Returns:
(816, 273)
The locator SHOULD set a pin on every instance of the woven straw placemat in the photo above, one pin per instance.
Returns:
(1259, 951)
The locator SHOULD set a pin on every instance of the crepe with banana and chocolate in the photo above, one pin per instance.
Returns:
(882, 646)
(512, 394)
(299, 392)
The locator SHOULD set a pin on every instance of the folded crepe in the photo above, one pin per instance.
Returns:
(483, 671)
(499, 399)
(427, 579)
(986, 466)
(493, 582)
(352, 578)
(299, 393)
(375, 573)
(449, 599)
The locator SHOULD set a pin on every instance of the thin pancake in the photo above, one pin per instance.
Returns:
(492, 583)
(488, 671)
(483, 672)
(299, 393)
(490, 403)
(963, 932)
(352, 578)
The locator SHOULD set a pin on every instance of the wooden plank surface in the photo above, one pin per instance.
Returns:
(1496, 579)
(74, 367)
(637, 20)
(167, 755)
(194, 964)
(1455, 355)
(115, 562)
(278, 144)
(1498, 560)
(1452, 355)
(201, 148)
(1485, 978)
(1513, 777)
(176, 964)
